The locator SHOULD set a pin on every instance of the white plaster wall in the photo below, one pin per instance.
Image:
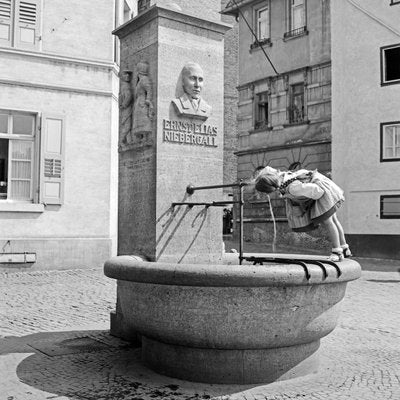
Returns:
(87, 173)
(78, 28)
(359, 105)
(72, 74)
(55, 72)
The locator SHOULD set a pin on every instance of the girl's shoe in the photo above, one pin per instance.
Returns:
(346, 251)
(336, 255)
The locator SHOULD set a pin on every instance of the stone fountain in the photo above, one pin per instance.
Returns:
(199, 314)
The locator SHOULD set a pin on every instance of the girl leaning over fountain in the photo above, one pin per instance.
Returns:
(311, 199)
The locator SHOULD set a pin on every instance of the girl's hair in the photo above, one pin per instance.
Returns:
(267, 183)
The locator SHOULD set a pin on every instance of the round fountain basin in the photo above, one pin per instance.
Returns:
(229, 323)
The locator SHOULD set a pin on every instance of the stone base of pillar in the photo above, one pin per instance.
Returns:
(230, 366)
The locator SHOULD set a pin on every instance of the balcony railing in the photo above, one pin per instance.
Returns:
(295, 32)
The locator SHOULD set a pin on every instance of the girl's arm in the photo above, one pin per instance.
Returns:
(310, 190)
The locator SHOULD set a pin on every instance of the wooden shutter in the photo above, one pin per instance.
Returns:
(27, 24)
(52, 160)
(6, 26)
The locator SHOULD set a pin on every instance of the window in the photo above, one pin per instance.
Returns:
(390, 141)
(261, 26)
(21, 170)
(17, 140)
(390, 64)
(19, 23)
(128, 13)
(261, 111)
(296, 18)
(296, 107)
(390, 207)
(124, 11)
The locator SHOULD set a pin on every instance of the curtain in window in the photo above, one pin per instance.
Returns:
(21, 169)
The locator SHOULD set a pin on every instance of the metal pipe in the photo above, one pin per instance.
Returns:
(225, 202)
(190, 189)
(241, 202)
(207, 204)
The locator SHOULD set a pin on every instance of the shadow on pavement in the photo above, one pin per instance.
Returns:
(93, 365)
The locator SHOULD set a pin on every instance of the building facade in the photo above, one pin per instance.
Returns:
(284, 109)
(366, 122)
(58, 132)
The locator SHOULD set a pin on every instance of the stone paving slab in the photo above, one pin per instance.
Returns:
(360, 359)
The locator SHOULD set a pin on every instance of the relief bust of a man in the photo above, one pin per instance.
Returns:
(191, 103)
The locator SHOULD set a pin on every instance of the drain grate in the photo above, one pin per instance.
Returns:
(69, 346)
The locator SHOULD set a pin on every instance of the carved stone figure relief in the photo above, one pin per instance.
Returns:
(136, 104)
(125, 102)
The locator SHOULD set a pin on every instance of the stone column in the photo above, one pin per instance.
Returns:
(168, 144)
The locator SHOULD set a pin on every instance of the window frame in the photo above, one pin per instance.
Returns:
(261, 97)
(291, 103)
(265, 5)
(292, 31)
(381, 202)
(384, 82)
(258, 21)
(383, 125)
(34, 139)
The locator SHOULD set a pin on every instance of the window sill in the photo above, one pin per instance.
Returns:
(394, 159)
(305, 122)
(260, 129)
(261, 43)
(7, 206)
(393, 82)
(295, 34)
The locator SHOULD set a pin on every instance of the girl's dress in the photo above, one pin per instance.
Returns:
(311, 198)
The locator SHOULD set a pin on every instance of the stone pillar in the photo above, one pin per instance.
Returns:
(164, 144)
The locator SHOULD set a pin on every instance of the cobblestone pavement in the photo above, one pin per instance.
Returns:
(54, 344)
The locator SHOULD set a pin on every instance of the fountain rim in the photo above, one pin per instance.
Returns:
(133, 269)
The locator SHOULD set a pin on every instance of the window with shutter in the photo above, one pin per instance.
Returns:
(27, 24)
(20, 23)
(17, 157)
(52, 162)
(5, 22)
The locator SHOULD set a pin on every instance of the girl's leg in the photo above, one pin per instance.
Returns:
(342, 239)
(340, 230)
(337, 251)
(333, 232)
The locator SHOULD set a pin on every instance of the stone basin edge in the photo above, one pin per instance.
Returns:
(130, 268)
